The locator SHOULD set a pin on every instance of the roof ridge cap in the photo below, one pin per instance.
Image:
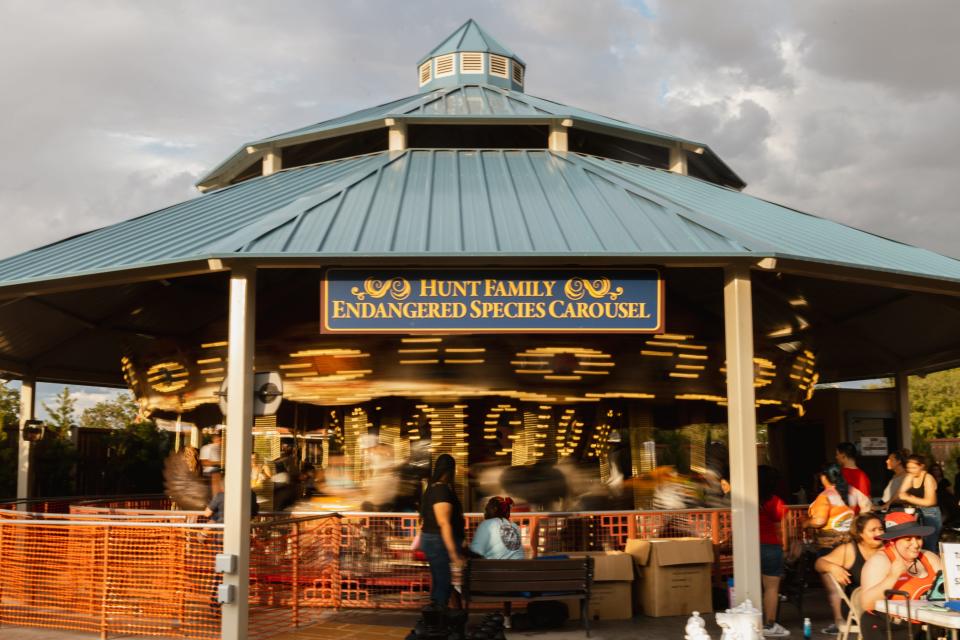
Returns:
(293, 209)
(705, 220)
(849, 226)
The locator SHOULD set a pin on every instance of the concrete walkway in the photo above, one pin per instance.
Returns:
(359, 624)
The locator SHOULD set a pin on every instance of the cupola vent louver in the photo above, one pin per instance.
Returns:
(471, 62)
(498, 66)
(517, 73)
(445, 65)
(425, 72)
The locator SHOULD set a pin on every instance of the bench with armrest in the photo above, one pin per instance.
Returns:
(508, 580)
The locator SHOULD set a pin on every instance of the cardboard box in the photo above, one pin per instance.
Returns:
(611, 596)
(674, 575)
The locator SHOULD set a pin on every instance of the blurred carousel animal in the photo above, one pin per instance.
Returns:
(182, 480)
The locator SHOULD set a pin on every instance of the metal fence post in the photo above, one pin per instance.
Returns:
(338, 587)
(104, 598)
(3, 570)
(534, 536)
(296, 574)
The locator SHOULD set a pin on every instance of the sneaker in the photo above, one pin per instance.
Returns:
(774, 630)
(832, 630)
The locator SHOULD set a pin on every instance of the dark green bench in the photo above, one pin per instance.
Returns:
(510, 580)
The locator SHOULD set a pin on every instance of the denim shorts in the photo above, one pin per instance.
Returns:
(771, 560)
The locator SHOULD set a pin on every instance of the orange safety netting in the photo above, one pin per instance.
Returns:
(149, 572)
(145, 579)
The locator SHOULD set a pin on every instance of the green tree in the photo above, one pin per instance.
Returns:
(9, 419)
(935, 405)
(55, 456)
(137, 452)
(63, 414)
(9, 406)
(111, 414)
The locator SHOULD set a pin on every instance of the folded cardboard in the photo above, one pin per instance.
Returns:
(674, 575)
(611, 596)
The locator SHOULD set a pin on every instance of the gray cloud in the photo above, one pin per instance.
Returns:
(909, 48)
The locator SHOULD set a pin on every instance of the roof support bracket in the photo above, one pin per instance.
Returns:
(558, 139)
(396, 134)
(678, 159)
(272, 161)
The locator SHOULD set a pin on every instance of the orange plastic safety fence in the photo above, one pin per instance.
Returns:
(378, 567)
(149, 573)
(294, 572)
(116, 578)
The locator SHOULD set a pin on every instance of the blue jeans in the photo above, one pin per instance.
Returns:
(932, 518)
(441, 582)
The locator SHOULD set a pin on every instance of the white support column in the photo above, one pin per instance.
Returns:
(678, 159)
(558, 139)
(742, 420)
(236, 532)
(396, 135)
(903, 411)
(28, 407)
(272, 161)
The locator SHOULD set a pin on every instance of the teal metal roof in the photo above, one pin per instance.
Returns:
(466, 102)
(470, 37)
(456, 203)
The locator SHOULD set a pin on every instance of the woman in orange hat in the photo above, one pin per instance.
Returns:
(903, 566)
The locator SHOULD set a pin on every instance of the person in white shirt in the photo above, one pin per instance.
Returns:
(896, 462)
(210, 459)
(497, 538)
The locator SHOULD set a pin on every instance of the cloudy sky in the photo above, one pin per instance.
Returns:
(847, 110)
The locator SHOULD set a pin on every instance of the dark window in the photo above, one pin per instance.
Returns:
(598, 144)
(475, 136)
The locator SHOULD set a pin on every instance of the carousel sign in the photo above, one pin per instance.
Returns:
(492, 300)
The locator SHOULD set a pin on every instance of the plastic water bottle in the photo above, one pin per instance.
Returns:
(807, 629)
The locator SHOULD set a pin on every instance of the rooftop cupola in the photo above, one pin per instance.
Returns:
(470, 56)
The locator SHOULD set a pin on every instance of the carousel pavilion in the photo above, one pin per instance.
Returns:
(513, 279)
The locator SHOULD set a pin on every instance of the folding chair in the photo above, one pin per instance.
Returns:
(852, 623)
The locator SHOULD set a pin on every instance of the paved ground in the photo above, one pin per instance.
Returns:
(393, 625)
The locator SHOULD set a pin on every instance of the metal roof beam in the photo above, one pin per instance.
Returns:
(16, 367)
(54, 284)
(821, 322)
(73, 376)
(104, 324)
(873, 308)
(843, 273)
(938, 360)
(85, 322)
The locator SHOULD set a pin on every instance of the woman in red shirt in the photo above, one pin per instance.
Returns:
(772, 510)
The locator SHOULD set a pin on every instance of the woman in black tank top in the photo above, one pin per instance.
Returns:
(919, 490)
(845, 562)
